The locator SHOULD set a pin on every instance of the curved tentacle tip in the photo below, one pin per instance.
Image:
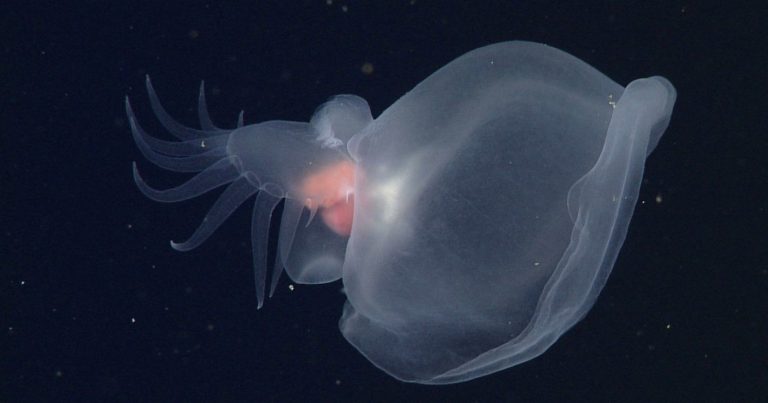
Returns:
(128, 108)
(145, 189)
(135, 169)
(148, 84)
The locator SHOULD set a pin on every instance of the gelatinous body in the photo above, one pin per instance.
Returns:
(472, 223)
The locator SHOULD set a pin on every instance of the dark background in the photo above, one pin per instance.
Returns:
(97, 307)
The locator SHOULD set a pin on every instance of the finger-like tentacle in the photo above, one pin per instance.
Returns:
(218, 174)
(262, 216)
(177, 129)
(202, 113)
(234, 195)
(193, 163)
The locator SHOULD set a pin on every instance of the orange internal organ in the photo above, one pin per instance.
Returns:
(331, 191)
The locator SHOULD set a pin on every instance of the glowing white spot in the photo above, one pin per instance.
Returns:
(388, 193)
